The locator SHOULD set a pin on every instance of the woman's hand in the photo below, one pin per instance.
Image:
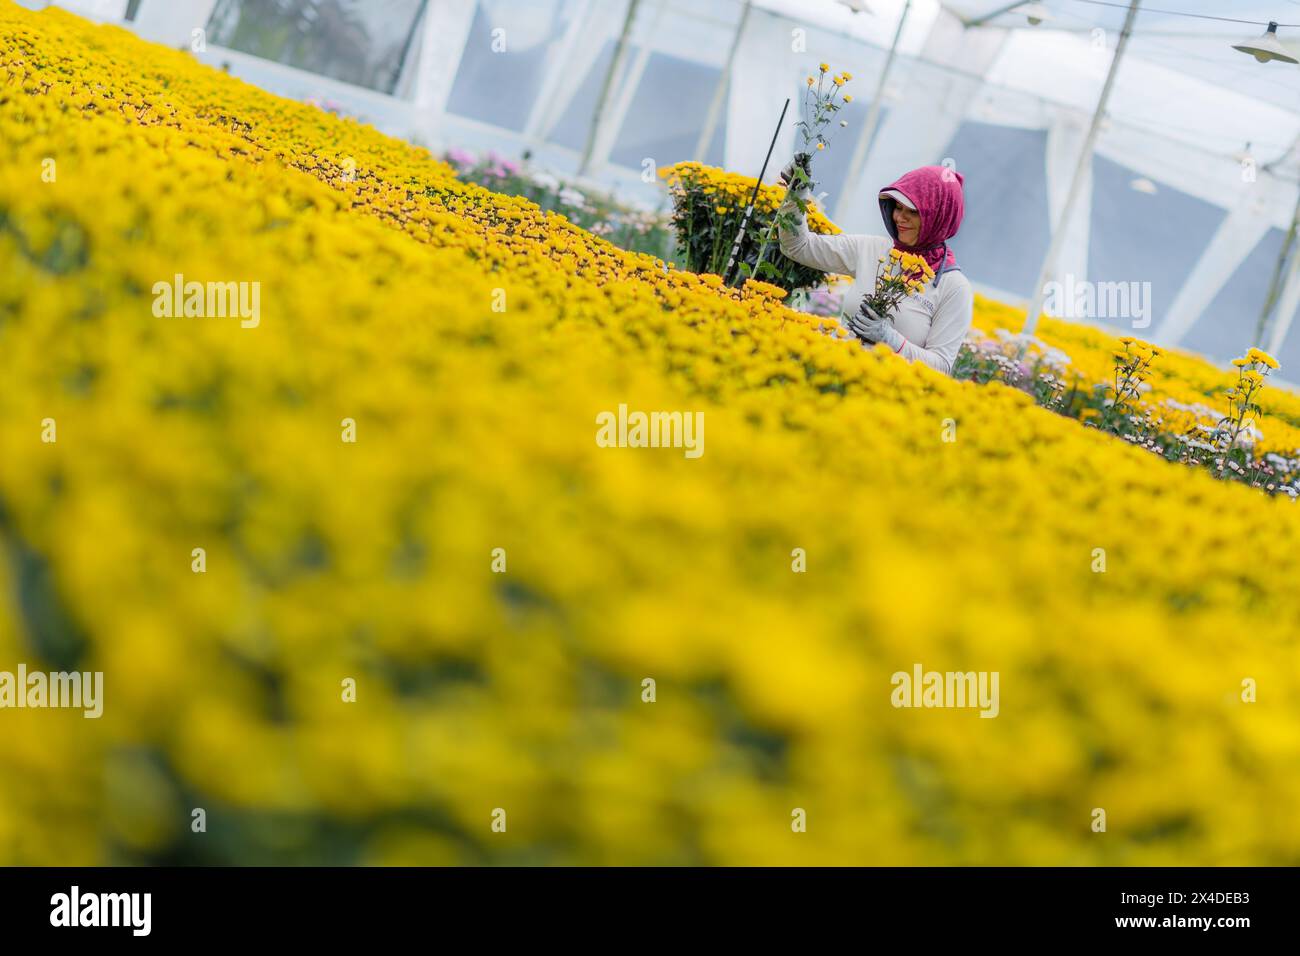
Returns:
(870, 327)
(796, 184)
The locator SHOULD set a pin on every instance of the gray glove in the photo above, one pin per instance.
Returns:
(803, 190)
(871, 328)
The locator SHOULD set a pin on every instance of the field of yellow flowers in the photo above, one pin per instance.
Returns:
(472, 342)
(1185, 389)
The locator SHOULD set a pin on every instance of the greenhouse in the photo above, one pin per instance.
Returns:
(649, 435)
(1192, 187)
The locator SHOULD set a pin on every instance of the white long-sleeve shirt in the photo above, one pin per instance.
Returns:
(934, 322)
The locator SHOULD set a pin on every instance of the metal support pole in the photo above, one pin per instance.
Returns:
(1085, 159)
(868, 137)
(1279, 270)
(720, 91)
(1279, 330)
(551, 96)
(615, 67)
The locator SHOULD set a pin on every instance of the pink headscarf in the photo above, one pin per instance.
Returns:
(936, 192)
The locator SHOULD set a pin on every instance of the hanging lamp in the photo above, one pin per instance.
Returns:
(1267, 47)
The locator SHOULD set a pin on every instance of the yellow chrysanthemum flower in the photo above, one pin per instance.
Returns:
(1259, 355)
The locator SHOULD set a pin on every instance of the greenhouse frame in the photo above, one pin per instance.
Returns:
(1183, 193)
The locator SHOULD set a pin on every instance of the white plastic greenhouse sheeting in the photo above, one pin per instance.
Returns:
(1008, 104)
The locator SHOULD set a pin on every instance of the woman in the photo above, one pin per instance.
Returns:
(922, 211)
